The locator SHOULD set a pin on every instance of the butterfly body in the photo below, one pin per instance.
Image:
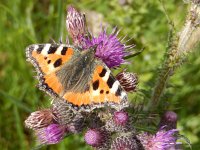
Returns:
(75, 76)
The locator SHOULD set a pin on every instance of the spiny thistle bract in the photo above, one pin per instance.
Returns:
(113, 131)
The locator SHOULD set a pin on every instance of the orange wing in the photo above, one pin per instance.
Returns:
(47, 59)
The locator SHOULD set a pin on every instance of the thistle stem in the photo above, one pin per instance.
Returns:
(180, 45)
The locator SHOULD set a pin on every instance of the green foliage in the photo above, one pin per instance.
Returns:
(27, 22)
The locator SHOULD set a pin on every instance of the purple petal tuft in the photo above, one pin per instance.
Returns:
(52, 134)
(109, 48)
(162, 140)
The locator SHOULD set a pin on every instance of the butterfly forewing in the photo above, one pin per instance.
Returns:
(47, 59)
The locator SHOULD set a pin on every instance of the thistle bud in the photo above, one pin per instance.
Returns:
(39, 119)
(168, 120)
(120, 117)
(126, 142)
(128, 81)
(119, 122)
(76, 25)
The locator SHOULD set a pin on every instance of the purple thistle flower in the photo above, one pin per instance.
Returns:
(126, 142)
(109, 48)
(52, 134)
(127, 80)
(98, 138)
(168, 120)
(162, 140)
(39, 119)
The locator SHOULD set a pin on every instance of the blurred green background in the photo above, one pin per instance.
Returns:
(26, 22)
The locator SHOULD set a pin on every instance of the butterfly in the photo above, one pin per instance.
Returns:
(76, 76)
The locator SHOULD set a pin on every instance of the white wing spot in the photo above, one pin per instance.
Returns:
(105, 78)
(51, 67)
(35, 47)
(58, 51)
(123, 94)
(115, 87)
(45, 49)
(95, 93)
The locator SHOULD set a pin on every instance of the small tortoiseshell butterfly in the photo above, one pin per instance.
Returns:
(75, 76)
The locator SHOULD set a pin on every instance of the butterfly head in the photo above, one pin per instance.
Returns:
(89, 54)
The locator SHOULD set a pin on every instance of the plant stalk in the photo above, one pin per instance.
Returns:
(180, 45)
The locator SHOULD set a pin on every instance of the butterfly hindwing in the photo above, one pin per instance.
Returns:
(103, 89)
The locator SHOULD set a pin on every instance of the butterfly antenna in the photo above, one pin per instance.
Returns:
(52, 41)
(96, 45)
(67, 40)
(60, 40)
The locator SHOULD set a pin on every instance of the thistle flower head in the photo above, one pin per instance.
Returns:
(109, 48)
(98, 138)
(162, 140)
(39, 119)
(127, 80)
(52, 134)
(126, 142)
(168, 120)
(76, 25)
